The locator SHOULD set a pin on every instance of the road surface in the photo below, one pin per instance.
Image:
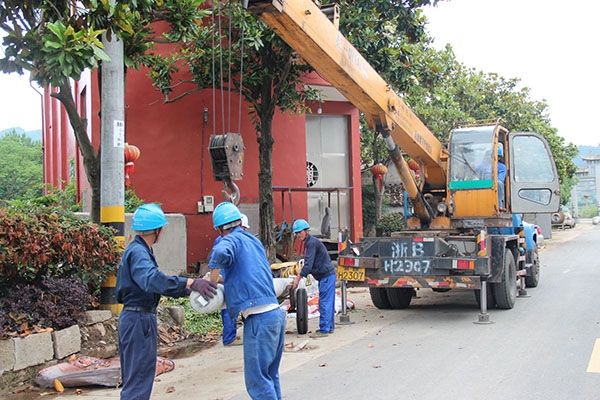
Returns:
(547, 347)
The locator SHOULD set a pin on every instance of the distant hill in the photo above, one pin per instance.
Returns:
(35, 135)
(585, 151)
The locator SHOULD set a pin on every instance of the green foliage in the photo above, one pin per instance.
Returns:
(132, 201)
(66, 40)
(445, 91)
(566, 186)
(589, 211)
(38, 241)
(368, 206)
(196, 322)
(64, 198)
(382, 31)
(267, 62)
(20, 167)
(393, 222)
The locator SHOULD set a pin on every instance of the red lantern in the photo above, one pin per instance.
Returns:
(132, 153)
(585, 196)
(379, 170)
(412, 164)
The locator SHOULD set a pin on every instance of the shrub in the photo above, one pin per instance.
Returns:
(389, 223)
(39, 242)
(132, 201)
(51, 303)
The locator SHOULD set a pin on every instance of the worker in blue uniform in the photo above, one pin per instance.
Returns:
(249, 290)
(230, 337)
(139, 287)
(501, 175)
(318, 263)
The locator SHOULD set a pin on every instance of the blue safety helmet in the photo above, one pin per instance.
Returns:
(300, 225)
(225, 213)
(148, 217)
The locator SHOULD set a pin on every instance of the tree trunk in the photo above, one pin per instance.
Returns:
(91, 159)
(265, 188)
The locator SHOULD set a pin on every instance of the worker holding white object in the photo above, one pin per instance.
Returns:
(249, 290)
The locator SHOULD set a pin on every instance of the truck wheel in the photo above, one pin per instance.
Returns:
(379, 298)
(505, 292)
(400, 297)
(534, 279)
(301, 311)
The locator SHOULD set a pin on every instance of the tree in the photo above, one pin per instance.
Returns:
(447, 91)
(271, 80)
(384, 33)
(20, 167)
(57, 40)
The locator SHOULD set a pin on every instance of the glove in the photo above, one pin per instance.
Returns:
(205, 288)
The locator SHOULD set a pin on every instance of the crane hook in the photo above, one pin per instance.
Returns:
(234, 196)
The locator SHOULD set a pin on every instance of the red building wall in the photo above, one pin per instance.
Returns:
(174, 167)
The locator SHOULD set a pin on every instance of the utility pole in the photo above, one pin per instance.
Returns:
(112, 141)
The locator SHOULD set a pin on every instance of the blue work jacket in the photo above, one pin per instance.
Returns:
(316, 259)
(247, 274)
(139, 282)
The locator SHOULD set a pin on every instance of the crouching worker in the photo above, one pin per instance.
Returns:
(249, 289)
(318, 263)
(139, 287)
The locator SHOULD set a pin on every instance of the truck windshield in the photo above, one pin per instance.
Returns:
(471, 158)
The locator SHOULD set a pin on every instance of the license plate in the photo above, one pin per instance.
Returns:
(350, 274)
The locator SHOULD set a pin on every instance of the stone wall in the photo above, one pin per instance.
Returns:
(36, 349)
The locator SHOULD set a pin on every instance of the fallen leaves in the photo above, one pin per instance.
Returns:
(58, 386)
(170, 389)
(323, 365)
(370, 345)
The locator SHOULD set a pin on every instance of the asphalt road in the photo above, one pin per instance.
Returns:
(541, 349)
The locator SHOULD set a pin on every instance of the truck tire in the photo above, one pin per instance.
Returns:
(505, 291)
(379, 298)
(301, 311)
(400, 297)
(534, 279)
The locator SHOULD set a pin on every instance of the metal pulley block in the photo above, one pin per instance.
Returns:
(227, 160)
(227, 156)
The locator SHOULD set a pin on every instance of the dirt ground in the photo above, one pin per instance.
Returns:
(216, 372)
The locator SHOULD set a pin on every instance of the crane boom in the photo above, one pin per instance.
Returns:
(302, 25)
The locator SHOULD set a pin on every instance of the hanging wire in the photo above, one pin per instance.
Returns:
(221, 69)
(241, 72)
(214, 102)
(229, 70)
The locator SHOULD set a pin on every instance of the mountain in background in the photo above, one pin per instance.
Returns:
(585, 151)
(35, 135)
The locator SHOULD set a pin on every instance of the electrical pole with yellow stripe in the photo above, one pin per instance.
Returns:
(112, 154)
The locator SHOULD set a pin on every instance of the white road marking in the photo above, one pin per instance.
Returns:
(594, 365)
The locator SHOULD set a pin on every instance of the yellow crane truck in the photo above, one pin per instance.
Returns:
(465, 231)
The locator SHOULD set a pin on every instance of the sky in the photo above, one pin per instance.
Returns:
(20, 105)
(551, 45)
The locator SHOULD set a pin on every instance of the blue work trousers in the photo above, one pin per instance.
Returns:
(229, 327)
(137, 352)
(264, 337)
(327, 304)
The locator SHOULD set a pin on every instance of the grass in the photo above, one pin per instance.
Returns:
(196, 322)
